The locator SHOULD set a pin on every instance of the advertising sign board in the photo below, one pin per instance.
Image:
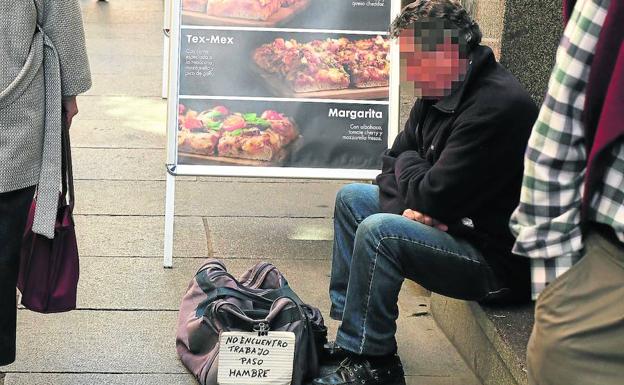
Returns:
(280, 88)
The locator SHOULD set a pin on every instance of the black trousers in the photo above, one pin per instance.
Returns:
(14, 206)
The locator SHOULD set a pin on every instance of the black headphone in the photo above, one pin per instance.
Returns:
(469, 35)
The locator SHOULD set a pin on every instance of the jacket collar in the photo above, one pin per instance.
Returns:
(480, 58)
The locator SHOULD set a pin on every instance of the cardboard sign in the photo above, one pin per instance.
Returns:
(250, 359)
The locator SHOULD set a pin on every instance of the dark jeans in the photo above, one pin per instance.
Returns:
(372, 255)
(14, 208)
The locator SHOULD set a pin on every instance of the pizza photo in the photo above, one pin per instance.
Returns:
(322, 65)
(241, 12)
(222, 135)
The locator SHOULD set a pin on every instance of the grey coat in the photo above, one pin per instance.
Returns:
(38, 66)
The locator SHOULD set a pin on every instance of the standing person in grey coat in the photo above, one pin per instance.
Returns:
(43, 66)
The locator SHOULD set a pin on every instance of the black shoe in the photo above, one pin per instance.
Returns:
(332, 353)
(359, 371)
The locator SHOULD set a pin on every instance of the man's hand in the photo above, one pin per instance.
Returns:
(70, 109)
(424, 219)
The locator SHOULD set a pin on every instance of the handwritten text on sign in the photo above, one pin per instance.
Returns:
(246, 358)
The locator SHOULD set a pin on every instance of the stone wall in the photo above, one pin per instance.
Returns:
(533, 29)
(523, 34)
(490, 14)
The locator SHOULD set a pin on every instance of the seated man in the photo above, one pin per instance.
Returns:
(440, 211)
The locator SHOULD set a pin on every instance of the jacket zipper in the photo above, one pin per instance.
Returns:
(421, 138)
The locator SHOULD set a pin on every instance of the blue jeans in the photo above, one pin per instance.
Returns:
(374, 252)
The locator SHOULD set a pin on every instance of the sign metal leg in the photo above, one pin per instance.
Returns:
(169, 221)
(165, 82)
(166, 45)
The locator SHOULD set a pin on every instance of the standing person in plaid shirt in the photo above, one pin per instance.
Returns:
(570, 221)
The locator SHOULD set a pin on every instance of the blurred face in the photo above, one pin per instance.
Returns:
(434, 61)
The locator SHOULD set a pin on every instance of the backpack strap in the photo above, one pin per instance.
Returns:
(284, 318)
(265, 299)
(285, 291)
(222, 292)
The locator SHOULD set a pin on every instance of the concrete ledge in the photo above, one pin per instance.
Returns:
(492, 341)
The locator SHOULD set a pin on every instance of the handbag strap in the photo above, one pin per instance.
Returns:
(67, 177)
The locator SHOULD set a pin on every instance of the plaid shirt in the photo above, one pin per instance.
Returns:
(547, 222)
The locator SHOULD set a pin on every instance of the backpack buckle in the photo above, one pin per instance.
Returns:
(262, 328)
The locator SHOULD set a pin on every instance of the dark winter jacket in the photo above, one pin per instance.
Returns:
(462, 158)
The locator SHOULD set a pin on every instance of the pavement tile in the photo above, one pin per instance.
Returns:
(97, 341)
(127, 6)
(133, 85)
(123, 108)
(149, 286)
(116, 15)
(128, 31)
(136, 47)
(310, 200)
(424, 349)
(118, 134)
(132, 64)
(441, 380)
(119, 164)
(99, 379)
(138, 236)
(232, 238)
(120, 122)
(120, 198)
(210, 199)
(271, 237)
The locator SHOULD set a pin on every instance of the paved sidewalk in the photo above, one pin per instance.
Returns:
(123, 332)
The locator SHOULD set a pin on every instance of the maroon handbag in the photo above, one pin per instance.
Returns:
(49, 268)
